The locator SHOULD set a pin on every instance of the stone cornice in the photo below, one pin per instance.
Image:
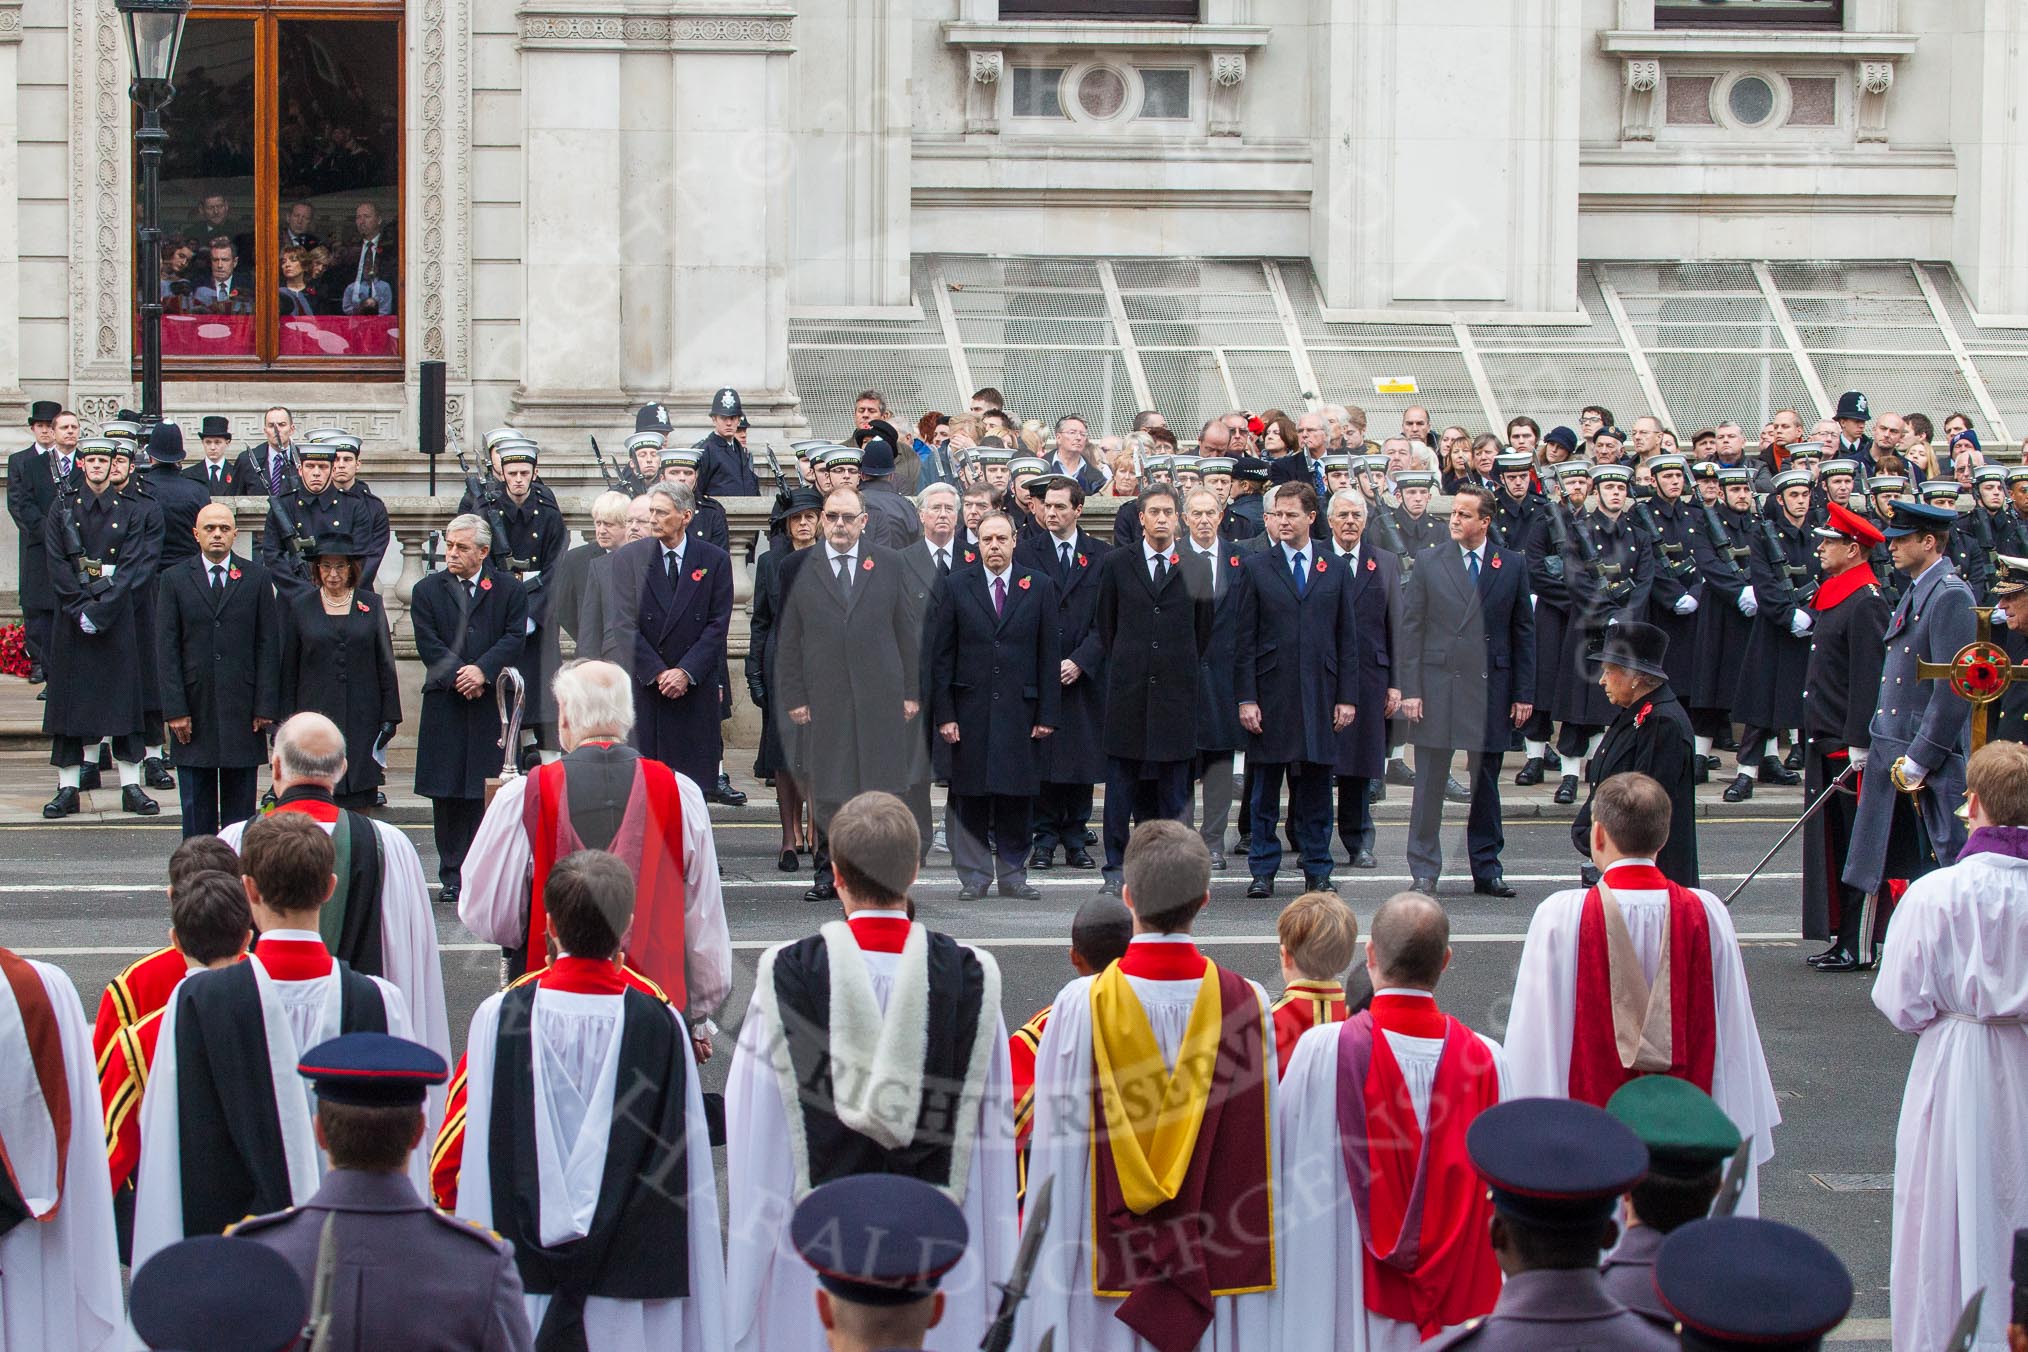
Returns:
(10, 23)
(1089, 34)
(751, 30)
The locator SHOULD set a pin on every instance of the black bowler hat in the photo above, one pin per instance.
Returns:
(879, 1239)
(215, 426)
(1556, 1164)
(1636, 646)
(1740, 1281)
(218, 1293)
(372, 1070)
(43, 410)
(165, 443)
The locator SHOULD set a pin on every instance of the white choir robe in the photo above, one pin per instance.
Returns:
(1954, 971)
(299, 1015)
(1545, 999)
(1322, 1267)
(493, 891)
(576, 1043)
(60, 1277)
(1060, 1294)
(408, 947)
(771, 1291)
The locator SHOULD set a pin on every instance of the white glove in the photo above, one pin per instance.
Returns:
(84, 622)
(1748, 606)
(1686, 604)
(1858, 754)
(1799, 622)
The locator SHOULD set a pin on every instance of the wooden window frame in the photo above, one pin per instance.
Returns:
(266, 362)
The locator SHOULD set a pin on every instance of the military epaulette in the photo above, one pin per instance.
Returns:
(250, 1223)
(471, 1230)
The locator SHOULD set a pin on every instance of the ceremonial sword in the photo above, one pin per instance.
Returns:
(1835, 786)
(1733, 1187)
(1000, 1333)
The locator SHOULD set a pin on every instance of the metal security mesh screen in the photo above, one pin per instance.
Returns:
(1697, 342)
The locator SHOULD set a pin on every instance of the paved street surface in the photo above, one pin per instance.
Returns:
(89, 896)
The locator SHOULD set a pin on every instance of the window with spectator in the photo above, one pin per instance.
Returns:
(281, 190)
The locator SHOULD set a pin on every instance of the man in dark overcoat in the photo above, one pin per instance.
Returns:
(1154, 622)
(1376, 611)
(1848, 647)
(928, 562)
(1783, 575)
(1219, 735)
(32, 474)
(670, 611)
(220, 669)
(1297, 681)
(470, 621)
(1465, 662)
(1074, 759)
(847, 671)
(993, 702)
(1650, 734)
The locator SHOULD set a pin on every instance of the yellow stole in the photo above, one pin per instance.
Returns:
(1152, 1114)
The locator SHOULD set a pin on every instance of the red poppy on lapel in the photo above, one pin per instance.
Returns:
(866, 566)
(363, 607)
(1232, 562)
(1642, 716)
(1081, 562)
(485, 584)
(233, 574)
(1320, 563)
(1496, 560)
(1371, 564)
(1174, 559)
(697, 574)
(1022, 584)
(970, 557)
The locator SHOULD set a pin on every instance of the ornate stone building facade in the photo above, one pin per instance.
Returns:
(598, 204)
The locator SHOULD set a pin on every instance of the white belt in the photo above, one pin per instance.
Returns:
(532, 575)
(106, 569)
(1992, 1021)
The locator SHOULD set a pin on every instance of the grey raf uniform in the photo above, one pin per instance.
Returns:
(408, 1275)
(1556, 1310)
(1921, 719)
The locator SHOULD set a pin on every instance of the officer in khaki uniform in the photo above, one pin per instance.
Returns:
(408, 1275)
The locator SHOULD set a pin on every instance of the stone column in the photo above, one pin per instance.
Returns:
(12, 401)
(1992, 156)
(1387, 230)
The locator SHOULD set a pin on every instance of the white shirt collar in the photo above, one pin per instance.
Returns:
(1403, 990)
(1002, 575)
(831, 555)
(1149, 553)
(884, 912)
(305, 936)
(1162, 939)
(1289, 551)
(1479, 553)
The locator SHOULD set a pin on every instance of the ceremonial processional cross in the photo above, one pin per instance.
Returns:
(1980, 673)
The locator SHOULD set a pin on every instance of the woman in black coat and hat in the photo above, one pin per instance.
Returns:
(338, 660)
(796, 516)
(1649, 733)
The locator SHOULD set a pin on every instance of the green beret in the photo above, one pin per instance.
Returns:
(1686, 1133)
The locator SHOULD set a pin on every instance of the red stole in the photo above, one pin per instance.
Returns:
(1595, 1069)
(45, 1048)
(1215, 1238)
(650, 842)
(1422, 1209)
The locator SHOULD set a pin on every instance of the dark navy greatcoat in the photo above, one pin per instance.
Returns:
(1775, 663)
(100, 684)
(678, 623)
(1718, 640)
(458, 739)
(1076, 754)
(220, 660)
(31, 489)
(179, 500)
(1376, 612)
(302, 514)
(1468, 654)
(1596, 601)
(995, 677)
(1218, 728)
(533, 532)
(1298, 655)
(1154, 644)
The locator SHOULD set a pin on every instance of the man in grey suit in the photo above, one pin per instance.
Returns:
(1907, 819)
(1465, 660)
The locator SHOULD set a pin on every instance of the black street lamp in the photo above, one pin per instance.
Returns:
(154, 33)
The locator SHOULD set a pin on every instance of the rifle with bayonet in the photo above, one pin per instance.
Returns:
(316, 1335)
(485, 495)
(1000, 1333)
(91, 578)
(1799, 579)
(615, 478)
(1675, 558)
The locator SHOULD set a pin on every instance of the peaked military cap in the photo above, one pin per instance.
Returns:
(2010, 578)
(879, 1239)
(1740, 1281)
(220, 1294)
(1913, 517)
(372, 1070)
(1555, 1163)
(1844, 524)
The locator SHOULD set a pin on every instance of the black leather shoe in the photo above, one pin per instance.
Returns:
(1399, 773)
(36, 675)
(88, 778)
(63, 805)
(970, 893)
(1113, 887)
(1844, 960)
(134, 800)
(1376, 791)
(1044, 859)
(1566, 792)
(1322, 884)
(1090, 837)
(1701, 771)
(448, 897)
(1495, 886)
(1243, 844)
(1365, 859)
(1218, 861)
(1455, 792)
(1739, 790)
(787, 863)
(155, 773)
(1426, 886)
(1078, 859)
(723, 792)
(1725, 741)
(1529, 774)
(1794, 760)
(1020, 892)
(1260, 887)
(1836, 950)
(823, 890)
(1773, 771)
